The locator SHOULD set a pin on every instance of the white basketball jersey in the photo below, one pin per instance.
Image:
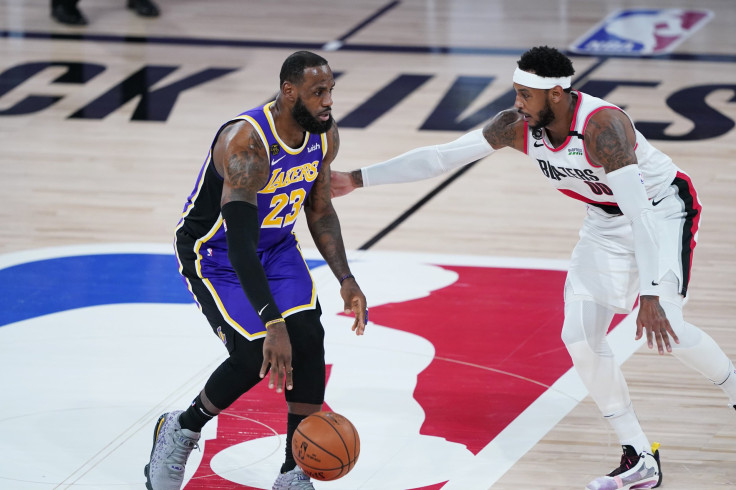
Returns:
(567, 167)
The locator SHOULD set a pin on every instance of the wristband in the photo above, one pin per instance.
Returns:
(346, 276)
(272, 322)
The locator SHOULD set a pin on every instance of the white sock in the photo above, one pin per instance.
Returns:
(629, 431)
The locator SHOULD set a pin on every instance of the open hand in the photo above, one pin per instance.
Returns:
(277, 355)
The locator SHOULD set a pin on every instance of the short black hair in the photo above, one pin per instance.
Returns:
(293, 68)
(546, 62)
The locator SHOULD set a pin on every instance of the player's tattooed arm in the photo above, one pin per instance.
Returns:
(325, 229)
(241, 159)
(344, 179)
(610, 140)
(356, 177)
(333, 144)
(321, 216)
(505, 129)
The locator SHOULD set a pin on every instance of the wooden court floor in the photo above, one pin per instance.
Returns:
(103, 128)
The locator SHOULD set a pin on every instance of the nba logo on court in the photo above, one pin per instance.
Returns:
(641, 32)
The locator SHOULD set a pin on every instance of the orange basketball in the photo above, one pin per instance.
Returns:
(326, 446)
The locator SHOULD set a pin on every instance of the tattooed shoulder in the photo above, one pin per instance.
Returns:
(607, 140)
(246, 165)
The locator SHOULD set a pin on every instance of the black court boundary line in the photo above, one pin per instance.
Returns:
(367, 21)
(371, 48)
(413, 209)
(445, 183)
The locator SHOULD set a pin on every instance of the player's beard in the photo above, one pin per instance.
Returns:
(545, 117)
(306, 120)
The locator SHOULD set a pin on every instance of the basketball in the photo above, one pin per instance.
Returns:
(326, 446)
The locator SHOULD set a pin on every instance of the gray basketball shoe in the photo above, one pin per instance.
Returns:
(293, 480)
(171, 448)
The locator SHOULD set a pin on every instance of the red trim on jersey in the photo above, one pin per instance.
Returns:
(526, 137)
(585, 150)
(577, 196)
(690, 240)
(572, 127)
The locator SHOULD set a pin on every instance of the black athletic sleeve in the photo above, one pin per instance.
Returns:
(242, 230)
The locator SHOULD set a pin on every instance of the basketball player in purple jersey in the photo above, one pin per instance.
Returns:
(637, 238)
(242, 263)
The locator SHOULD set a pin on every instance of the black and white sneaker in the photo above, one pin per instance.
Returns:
(635, 471)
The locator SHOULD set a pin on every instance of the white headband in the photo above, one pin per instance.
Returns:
(535, 81)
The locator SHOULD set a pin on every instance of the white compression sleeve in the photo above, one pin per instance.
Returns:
(631, 196)
(428, 161)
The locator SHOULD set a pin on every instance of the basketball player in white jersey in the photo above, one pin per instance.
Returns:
(637, 237)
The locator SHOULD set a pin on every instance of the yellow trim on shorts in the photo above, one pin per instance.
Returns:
(221, 307)
(227, 317)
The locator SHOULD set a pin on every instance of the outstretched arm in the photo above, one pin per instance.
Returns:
(506, 129)
(325, 229)
(242, 160)
(610, 141)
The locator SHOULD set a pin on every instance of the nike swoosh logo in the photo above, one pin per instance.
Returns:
(654, 203)
(261, 310)
(538, 145)
(655, 283)
(274, 162)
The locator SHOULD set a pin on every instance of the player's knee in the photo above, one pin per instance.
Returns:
(687, 334)
(572, 327)
(308, 389)
(308, 357)
(585, 321)
(575, 333)
(602, 376)
(570, 335)
(306, 332)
